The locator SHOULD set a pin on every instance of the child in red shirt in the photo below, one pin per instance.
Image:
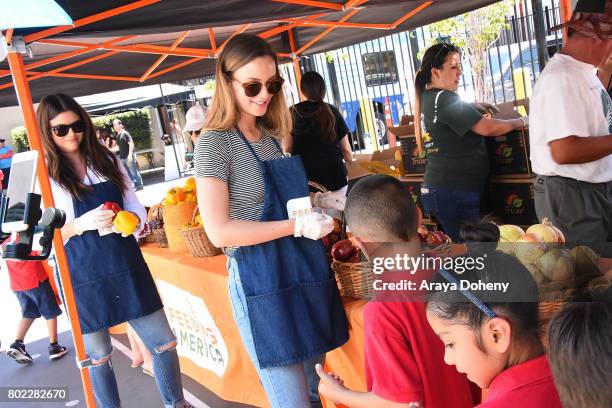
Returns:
(30, 283)
(404, 359)
(491, 333)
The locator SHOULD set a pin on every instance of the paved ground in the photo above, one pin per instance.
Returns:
(137, 389)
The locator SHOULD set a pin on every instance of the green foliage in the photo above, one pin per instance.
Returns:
(20, 139)
(137, 123)
(474, 33)
(210, 86)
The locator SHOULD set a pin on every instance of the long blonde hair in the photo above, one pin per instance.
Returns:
(224, 112)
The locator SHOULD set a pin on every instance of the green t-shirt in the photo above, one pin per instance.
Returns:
(456, 156)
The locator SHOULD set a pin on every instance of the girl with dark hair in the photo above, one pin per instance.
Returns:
(320, 135)
(457, 161)
(492, 334)
(284, 298)
(111, 281)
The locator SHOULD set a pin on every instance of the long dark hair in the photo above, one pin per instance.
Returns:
(434, 57)
(95, 155)
(313, 88)
(519, 304)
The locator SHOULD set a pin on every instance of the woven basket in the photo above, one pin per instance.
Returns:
(156, 225)
(175, 216)
(442, 250)
(354, 280)
(553, 296)
(197, 241)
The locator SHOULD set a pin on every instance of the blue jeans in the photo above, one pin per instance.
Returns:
(293, 386)
(452, 208)
(131, 166)
(155, 332)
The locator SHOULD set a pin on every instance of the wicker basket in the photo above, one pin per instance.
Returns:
(197, 241)
(442, 250)
(156, 225)
(553, 296)
(175, 216)
(354, 280)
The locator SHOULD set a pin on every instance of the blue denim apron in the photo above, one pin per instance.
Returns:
(110, 279)
(293, 302)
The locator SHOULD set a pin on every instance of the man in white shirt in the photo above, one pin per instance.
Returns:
(571, 130)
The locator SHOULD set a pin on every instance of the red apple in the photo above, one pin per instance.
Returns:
(110, 205)
(436, 238)
(343, 250)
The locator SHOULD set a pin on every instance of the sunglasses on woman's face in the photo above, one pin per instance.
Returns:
(194, 132)
(253, 88)
(62, 130)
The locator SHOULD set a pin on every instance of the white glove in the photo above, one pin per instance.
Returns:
(313, 226)
(334, 200)
(93, 219)
(525, 120)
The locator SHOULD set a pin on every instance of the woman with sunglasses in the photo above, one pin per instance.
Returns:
(111, 281)
(284, 297)
(452, 136)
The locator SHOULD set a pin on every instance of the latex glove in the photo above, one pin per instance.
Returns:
(330, 200)
(525, 120)
(93, 220)
(313, 226)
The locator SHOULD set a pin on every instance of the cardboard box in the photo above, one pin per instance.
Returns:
(510, 110)
(509, 154)
(413, 163)
(402, 130)
(511, 200)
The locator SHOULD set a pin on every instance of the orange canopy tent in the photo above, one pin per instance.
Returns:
(116, 44)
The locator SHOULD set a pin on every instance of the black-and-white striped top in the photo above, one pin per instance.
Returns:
(224, 155)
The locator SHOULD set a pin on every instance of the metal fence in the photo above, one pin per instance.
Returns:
(372, 82)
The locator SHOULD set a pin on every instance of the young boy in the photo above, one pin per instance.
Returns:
(404, 358)
(580, 354)
(30, 283)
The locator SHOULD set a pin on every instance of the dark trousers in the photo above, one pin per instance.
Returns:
(581, 210)
(452, 208)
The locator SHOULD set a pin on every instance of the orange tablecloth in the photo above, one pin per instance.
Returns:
(196, 300)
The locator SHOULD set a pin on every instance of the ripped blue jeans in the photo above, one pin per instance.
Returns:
(157, 336)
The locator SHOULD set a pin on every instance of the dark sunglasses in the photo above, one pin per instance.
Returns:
(445, 46)
(195, 132)
(62, 130)
(252, 89)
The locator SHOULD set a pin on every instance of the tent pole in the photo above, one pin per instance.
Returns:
(566, 14)
(24, 97)
(296, 64)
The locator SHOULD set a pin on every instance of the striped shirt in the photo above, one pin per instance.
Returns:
(223, 154)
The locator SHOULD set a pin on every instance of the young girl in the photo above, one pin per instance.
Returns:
(492, 335)
(110, 278)
(283, 294)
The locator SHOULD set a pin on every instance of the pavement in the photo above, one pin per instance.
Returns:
(136, 389)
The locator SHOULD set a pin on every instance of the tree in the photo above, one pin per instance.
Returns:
(474, 33)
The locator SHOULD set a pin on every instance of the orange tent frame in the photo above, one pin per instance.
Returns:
(22, 74)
